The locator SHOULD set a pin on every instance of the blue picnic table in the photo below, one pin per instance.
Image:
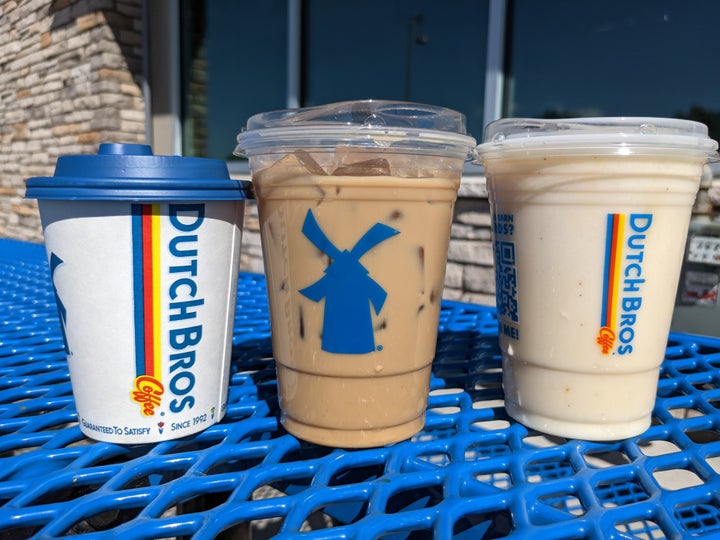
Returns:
(472, 473)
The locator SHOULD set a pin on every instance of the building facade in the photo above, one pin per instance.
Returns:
(71, 77)
(184, 76)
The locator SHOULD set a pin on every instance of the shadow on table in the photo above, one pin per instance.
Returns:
(466, 370)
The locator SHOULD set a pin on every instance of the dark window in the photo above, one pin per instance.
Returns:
(614, 58)
(562, 58)
(414, 50)
(233, 66)
(235, 60)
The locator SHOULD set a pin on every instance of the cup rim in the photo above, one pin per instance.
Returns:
(383, 125)
(622, 135)
(131, 172)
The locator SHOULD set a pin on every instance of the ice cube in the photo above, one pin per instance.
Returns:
(368, 167)
(356, 161)
(306, 160)
(418, 166)
(300, 162)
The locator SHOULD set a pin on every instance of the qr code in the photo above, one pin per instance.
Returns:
(506, 280)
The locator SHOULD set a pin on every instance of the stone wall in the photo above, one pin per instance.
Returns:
(470, 276)
(71, 75)
(251, 259)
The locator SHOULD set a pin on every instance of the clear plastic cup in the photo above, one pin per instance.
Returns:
(589, 221)
(144, 256)
(355, 203)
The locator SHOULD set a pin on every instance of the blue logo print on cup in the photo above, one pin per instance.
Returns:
(348, 290)
(56, 261)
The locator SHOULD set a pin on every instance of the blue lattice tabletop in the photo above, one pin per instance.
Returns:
(471, 473)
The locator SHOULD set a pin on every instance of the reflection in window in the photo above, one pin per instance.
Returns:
(233, 66)
(563, 58)
(413, 50)
(614, 58)
(235, 59)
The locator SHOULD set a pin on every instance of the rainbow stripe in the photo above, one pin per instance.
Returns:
(611, 276)
(146, 295)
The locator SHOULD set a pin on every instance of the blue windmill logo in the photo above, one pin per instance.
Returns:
(349, 292)
(56, 261)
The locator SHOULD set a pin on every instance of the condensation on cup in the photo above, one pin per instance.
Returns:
(589, 219)
(144, 254)
(355, 202)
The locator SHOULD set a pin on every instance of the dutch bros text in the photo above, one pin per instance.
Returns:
(183, 331)
(622, 281)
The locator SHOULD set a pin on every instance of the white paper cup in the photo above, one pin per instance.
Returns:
(590, 218)
(143, 253)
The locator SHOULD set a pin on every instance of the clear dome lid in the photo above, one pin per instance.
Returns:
(611, 135)
(393, 125)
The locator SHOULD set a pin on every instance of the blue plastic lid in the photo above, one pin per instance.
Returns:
(131, 172)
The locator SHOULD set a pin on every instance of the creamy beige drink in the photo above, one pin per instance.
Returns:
(355, 245)
(589, 232)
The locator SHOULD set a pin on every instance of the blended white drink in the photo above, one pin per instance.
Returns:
(590, 218)
(355, 246)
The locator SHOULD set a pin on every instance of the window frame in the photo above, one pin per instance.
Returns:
(171, 99)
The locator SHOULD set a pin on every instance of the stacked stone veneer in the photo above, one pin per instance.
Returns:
(470, 276)
(71, 77)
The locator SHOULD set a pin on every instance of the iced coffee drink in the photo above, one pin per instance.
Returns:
(355, 236)
(589, 222)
